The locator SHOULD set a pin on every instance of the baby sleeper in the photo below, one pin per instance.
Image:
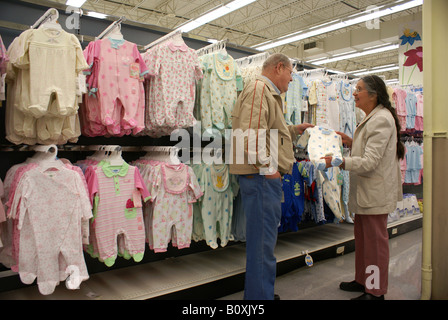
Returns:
(116, 192)
(319, 143)
(50, 227)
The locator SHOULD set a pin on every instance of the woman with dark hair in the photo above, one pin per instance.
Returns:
(375, 185)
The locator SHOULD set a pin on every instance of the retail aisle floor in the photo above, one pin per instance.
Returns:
(321, 281)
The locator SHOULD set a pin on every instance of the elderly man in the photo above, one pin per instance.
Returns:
(262, 152)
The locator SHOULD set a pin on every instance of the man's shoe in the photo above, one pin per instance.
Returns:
(276, 297)
(351, 286)
(368, 296)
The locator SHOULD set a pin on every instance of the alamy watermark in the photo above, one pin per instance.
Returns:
(373, 280)
(250, 144)
(375, 22)
(72, 21)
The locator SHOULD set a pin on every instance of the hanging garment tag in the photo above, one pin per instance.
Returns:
(308, 260)
(340, 179)
(134, 70)
(304, 105)
(136, 198)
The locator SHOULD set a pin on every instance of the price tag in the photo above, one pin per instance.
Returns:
(308, 259)
(340, 179)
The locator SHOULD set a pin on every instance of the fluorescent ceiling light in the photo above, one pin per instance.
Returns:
(356, 71)
(392, 81)
(344, 53)
(75, 3)
(358, 54)
(367, 16)
(377, 70)
(317, 59)
(385, 66)
(336, 71)
(96, 15)
(215, 14)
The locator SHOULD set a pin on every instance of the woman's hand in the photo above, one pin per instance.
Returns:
(345, 139)
(328, 160)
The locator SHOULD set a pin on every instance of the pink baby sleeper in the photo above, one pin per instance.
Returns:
(173, 190)
(118, 191)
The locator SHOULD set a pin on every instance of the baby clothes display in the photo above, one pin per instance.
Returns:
(294, 100)
(3, 62)
(114, 105)
(419, 113)
(2, 208)
(293, 202)
(347, 112)
(409, 105)
(218, 92)
(116, 191)
(413, 163)
(411, 110)
(48, 222)
(173, 189)
(174, 70)
(399, 97)
(101, 111)
(327, 109)
(215, 208)
(42, 105)
(320, 142)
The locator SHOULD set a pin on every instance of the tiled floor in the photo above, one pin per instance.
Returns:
(321, 281)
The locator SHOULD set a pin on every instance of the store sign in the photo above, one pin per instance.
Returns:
(410, 54)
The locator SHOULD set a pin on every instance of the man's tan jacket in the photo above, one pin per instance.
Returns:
(261, 139)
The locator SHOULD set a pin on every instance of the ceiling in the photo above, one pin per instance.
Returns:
(265, 20)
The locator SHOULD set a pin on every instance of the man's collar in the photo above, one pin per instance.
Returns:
(271, 83)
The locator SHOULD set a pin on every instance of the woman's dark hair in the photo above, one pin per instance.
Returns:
(375, 85)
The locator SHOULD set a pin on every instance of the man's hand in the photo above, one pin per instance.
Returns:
(275, 175)
(302, 127)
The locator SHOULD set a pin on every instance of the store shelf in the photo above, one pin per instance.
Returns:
(176, 277)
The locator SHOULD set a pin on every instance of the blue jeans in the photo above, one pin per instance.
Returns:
(262, 205)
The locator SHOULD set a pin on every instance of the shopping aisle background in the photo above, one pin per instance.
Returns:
(321, 281)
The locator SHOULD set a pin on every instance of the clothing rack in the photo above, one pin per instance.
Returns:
(220, 45)
(163, 39)
(172, 152)
(253, 59)
(51, 14)
(159, 149)
(52, 148)
(312, 71)
(115, 24)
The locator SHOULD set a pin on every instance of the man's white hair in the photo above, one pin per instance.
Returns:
(274, 59)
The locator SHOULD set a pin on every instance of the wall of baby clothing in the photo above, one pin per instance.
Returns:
(91, 179)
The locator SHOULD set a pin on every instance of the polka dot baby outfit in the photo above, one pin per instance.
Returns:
(174, 69)
(117, 84)
(219, 188)
(174, 190)
(222, 79)
(319, 143)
